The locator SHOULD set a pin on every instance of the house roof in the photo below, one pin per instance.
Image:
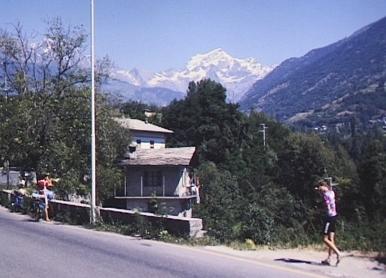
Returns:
(138, 125)
(160, 157)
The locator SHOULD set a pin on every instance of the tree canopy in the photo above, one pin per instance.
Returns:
(45, 109)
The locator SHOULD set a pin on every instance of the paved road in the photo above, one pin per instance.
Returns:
(31, 249)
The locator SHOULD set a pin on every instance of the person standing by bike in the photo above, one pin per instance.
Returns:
(45, 194)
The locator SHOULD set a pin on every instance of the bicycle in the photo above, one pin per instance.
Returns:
(38, 208)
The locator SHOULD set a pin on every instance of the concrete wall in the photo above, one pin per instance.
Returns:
(146, 137)
(175, 225)
(177, 207)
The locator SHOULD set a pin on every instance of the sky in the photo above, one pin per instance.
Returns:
(156, 35)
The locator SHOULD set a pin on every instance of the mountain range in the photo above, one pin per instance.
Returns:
(331, 84)
(334, 84)
(236, 75)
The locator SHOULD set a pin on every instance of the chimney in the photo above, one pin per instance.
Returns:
(149, 114)
(133, 151)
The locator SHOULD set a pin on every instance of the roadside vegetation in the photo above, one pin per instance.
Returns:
(252, 193)
(265, 193)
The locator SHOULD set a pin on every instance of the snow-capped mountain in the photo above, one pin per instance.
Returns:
(134, 77)
(236, 75)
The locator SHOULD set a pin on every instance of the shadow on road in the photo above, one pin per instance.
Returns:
(30, 220)
(297, 261)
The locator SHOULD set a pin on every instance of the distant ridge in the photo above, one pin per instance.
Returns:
(343, 80)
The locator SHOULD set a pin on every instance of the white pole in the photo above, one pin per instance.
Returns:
(141, 186)
(263, 128)
(163, 185)
(93, 164)
(264, 136)
(125, 186)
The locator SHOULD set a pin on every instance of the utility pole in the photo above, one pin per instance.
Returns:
(93, 156)
(263, 127)
(6, 90)
(328, 179)
(6, 168)
(330, 182)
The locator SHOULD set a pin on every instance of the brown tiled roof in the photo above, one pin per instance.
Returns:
(164, 156)
(134, 124)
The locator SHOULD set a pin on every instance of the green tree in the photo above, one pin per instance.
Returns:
(204, 119)
(304, 160)
(372, 173)
(135, 110)
(46, 112)
(111, 143)
(221, 202)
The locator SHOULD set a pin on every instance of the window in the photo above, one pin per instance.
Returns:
(152, 178)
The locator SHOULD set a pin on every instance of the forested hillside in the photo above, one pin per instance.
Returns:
(266, 193)
(329, 85)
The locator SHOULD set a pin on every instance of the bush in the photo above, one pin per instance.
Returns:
(366, 236)
(257, 225)
(4, 201)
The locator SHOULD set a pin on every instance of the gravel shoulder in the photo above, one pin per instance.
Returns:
(354, 264)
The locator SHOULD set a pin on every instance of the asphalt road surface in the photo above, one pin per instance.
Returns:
(39, 249)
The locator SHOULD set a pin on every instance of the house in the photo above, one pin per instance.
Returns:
(12, 179)
(145, 135)
(159, 180)
(156, 178)
(9, 179)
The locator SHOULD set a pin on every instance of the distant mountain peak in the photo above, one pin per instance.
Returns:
(134, 76)
(212, 58)
(236, 75)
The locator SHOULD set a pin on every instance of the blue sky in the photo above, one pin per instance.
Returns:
(160, 34)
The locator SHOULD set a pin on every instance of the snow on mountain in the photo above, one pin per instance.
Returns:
(236, 75)
(134, 76)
